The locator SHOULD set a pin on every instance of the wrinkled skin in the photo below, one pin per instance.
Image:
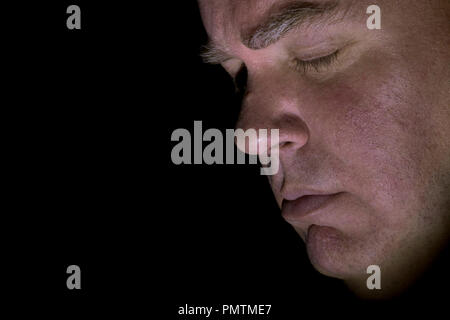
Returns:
(374, 126)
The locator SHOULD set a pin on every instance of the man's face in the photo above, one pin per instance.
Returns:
(364, 120)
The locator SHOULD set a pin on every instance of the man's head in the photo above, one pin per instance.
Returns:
(364, 120)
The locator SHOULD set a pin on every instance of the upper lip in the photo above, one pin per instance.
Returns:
(294, 195)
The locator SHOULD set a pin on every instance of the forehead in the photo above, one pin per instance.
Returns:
(225, 18)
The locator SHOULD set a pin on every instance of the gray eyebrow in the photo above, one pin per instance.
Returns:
(286, 18)
(212, 53)
(277, 24)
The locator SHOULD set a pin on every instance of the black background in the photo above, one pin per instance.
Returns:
(88, 124)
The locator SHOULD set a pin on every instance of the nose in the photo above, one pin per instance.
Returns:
(271, 101)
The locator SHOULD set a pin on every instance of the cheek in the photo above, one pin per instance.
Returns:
(378, 129)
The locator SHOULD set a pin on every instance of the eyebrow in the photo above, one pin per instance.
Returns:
(286, 18)
(212, 53)
(277, 23)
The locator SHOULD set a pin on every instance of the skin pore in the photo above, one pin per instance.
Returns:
(363, 115)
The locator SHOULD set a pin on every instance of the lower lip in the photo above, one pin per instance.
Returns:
(295, 210)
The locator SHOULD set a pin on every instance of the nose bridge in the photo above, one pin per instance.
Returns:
(272, 103)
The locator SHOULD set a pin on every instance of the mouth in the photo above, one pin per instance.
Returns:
(294, 211)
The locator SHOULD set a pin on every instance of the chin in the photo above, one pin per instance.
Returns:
(333, 254)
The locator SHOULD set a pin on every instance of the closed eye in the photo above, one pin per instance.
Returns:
(317, 65)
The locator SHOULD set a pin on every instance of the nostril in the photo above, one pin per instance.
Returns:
(284, 143)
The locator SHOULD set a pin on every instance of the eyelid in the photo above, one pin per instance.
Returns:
(317, 54)
(304, 66)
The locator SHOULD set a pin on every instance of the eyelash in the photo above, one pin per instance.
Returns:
(316, 64)
(302, 66)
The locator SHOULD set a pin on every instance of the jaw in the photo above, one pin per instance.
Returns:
(401, 261)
